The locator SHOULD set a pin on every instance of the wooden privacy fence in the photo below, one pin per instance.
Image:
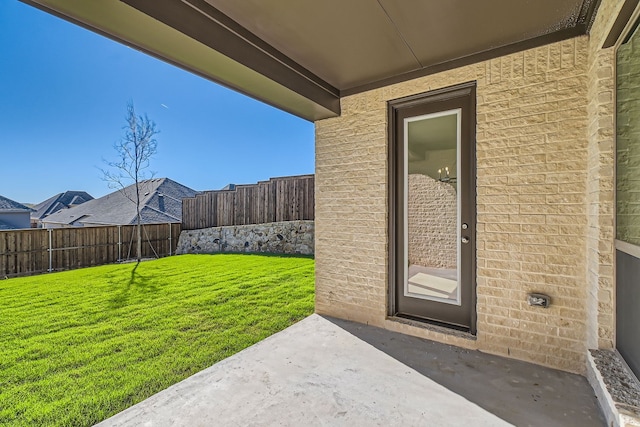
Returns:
(33, 251)
(279, 199)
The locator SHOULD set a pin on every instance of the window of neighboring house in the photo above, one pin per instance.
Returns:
(628, 199)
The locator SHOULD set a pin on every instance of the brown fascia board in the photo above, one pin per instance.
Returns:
(278, 95)
(206, 24)
(626, 12)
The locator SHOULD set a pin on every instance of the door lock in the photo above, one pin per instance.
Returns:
(465, 226)
(465, 240)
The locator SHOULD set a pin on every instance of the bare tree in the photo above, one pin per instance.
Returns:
(135, 149)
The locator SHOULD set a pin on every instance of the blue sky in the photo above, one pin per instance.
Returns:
(63, 97)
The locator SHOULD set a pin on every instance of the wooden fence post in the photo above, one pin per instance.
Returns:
(278, 199)
(119, 244)
(50, 252)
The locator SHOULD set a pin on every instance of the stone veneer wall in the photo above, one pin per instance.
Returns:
(432, 213)
(531, 198)
(600, 180)
(601, 110)
(289, 237)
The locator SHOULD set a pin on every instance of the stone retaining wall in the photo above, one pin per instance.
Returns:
(289, 237)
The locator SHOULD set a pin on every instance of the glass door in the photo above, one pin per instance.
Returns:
(431, 220)
(433, 202)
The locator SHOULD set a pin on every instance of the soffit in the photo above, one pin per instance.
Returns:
(302, 56)
(139, 30)
(354, 44)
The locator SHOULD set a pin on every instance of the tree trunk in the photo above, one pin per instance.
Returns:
(138, 226)
(139, 239)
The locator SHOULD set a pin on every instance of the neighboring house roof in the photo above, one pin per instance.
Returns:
(58, 202)
(8, 205)
(160, 201)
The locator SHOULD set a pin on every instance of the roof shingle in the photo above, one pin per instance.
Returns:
(160, 201)
(11, 205)
(58, 202)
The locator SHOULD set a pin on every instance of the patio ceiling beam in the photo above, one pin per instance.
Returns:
(204, 23)
(270, 78)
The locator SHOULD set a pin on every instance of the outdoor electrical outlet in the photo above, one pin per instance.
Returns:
(539, 300)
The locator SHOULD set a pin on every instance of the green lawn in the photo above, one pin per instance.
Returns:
(77, 347)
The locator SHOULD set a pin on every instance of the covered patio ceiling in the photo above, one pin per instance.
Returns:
(302, 56)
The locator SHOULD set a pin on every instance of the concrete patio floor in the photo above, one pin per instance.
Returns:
(329, 372)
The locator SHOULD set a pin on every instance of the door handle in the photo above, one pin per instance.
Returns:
(465, 240)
